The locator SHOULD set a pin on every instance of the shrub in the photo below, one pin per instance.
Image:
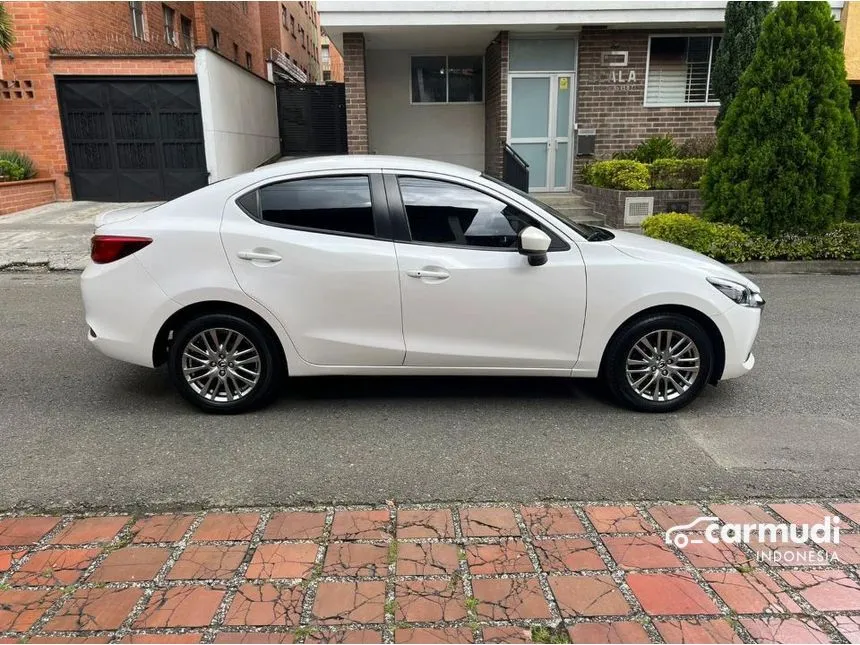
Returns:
(653, 148)
(15, 166)
(675, 174)
(621, 174)
(853, 211)
(730, 243)
(697, 147)
(785, 147)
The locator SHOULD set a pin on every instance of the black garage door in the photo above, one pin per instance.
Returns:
(132, 139)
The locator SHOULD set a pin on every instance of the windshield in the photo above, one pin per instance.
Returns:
(589, 232)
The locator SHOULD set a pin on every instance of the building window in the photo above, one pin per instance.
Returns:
(249, 61)
(679, 70)
(216, 39)
(138, 22)
(447, 79)
(326, 75)
(169, 25)
(235, 53)
(293, 26)
(284, 17)
(244, 7)
(187, 36)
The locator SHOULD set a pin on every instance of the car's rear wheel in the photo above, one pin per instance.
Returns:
(224, 364)
(659, 363)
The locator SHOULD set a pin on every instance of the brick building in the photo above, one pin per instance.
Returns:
(291, 40)
(331, 60)
(558, 82)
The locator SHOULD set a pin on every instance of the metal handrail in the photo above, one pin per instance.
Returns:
(516, 156)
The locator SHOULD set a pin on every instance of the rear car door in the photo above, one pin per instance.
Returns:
(316, 251)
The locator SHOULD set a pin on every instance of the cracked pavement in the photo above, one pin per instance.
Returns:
(404, 573)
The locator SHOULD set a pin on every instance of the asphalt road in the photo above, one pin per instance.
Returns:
(78, 430)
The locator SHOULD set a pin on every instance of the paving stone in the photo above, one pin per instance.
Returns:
(295, 525)
(131, 564)
(25, 531)
(350, 602)
(705, 555)
(750, 593)
(851, 511)
(509, 599)
(741, 513)
(9, 558)
(670, 594)
(66, 639)
(848, 549)
(420, 523)
(161, 528)
(509, 556)
(802, 513)
(180, 607)
(91, 530)
(207, 561)
(616, 519)
(426, 558)
(94, 610)
(507, 635)
(226, 526)
(346, 636)
(544, 521)
(615, 632)
(671, 515)
(784, 630)
(641, 552)
(351, 559)
(419, 601)
(266, 605)
(694, 630)
(55, 567)
(360, 525)
(434, 635)
(255, 637)
(826, 589)
(184, 637)
(488, 522)
(848, 626)
(282, 560)
(778, 554)
(568, 555)
(588, 596)
(21, 608)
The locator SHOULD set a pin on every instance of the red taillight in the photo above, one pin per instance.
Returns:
(109, 248)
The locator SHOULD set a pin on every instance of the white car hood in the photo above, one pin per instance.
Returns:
(646, 248)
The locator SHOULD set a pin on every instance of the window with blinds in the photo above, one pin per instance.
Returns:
(679, 70)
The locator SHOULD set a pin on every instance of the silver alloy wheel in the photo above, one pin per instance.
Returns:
(663, 365)
(221, 365)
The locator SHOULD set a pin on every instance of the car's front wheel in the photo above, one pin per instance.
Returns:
(224, 364)
(659, 363)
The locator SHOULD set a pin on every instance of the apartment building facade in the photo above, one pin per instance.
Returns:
(291, 40)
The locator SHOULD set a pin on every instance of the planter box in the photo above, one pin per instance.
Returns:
(611, 203)
(18, 195)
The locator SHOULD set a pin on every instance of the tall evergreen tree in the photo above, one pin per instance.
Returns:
(785, 149)
(743, 25)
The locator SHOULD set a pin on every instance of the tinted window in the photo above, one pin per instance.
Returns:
(329, 204)
(443, 213)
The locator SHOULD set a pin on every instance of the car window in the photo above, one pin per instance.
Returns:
(440, 212)
(326, 204)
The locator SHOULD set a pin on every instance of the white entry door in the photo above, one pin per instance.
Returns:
(540, 126)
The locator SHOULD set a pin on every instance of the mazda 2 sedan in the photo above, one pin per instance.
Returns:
(370, 265)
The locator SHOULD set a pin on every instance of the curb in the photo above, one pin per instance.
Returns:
(799, 267)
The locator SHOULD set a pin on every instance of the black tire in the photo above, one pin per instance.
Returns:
(270, 366)
(615, 364)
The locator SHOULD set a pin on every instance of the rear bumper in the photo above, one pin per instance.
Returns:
(125, 309)
(739, 327)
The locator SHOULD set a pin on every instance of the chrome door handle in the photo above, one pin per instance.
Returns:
(428, 273)
(259, 257)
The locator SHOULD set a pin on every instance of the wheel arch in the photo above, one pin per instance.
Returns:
(702, 319)
(197, 309)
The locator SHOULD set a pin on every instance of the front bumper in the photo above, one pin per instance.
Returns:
(739, 327)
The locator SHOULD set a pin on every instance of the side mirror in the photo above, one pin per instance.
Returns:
(534, 243)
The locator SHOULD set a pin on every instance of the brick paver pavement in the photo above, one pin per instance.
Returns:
(493, 573)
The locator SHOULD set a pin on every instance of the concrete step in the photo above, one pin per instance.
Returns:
(559, 200)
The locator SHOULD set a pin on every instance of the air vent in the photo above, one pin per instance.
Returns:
(637, 209)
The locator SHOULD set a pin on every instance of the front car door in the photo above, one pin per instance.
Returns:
(317, 252)
(469, 299)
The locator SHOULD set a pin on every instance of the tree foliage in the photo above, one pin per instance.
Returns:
(7, 37)
(786, 147)
(742, 28)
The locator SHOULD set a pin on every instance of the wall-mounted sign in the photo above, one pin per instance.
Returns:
(563, 83)
(614, 59)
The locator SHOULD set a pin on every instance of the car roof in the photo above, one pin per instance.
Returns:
(339, 162)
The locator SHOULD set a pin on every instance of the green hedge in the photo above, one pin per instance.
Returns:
(730, 243)
(626, 174)
(15, 166)
(677, 174)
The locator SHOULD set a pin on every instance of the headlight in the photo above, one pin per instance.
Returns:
(741, 294)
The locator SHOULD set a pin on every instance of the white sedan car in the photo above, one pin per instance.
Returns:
(371, 265)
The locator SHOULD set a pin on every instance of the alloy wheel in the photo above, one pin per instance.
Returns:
(662, 365)
(221, 365)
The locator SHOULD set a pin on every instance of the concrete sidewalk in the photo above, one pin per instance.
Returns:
(55, 236)
(491, 573)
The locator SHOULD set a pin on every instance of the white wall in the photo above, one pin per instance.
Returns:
(240, 116)
(439, 131)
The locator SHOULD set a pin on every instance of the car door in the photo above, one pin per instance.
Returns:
(469, 299)
(317, 252)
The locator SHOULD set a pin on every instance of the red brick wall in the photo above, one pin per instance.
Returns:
(276, 35)
(615, 109)
(356, 93)
(495, 103)
(235, 26)
(18, 195)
